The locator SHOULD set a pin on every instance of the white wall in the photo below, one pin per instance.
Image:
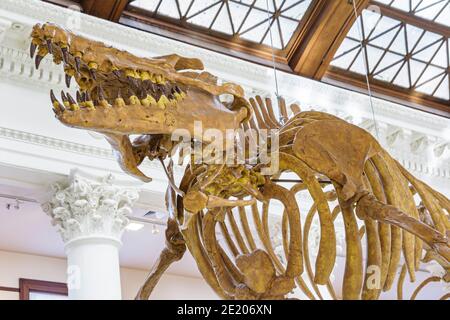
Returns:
(19, 265)
(171, 287)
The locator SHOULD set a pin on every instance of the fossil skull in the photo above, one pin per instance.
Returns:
(121, 94)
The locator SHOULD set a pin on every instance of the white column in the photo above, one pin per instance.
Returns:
(91, 214)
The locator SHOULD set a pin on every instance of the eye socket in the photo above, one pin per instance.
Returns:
(226, 98)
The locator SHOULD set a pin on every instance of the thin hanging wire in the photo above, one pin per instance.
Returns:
(273, 52)
(366, 65)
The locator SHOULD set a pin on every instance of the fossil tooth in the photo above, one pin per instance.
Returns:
(56, 105)
(163, 102)
(93, 74)
(87, 96)
(77, 64)
(38, 60)
(159, 79)
(145, 76)
(89, 104)
(49, 46)
(71, 99)
(32, 49)
(65, 55)
(65, 100)
(158, 92)
(79, 97)
(88, 101)
(68, 78)
(52, 96)
(93, 66)
(177, 93)
(134, 100)
(119, 100)
(101, 93)
(148, 100)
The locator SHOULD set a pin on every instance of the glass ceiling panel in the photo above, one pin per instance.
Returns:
(247, 19)
(433, 10)
(398, 53)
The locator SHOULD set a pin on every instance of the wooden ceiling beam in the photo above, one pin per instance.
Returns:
(387, 91)
(105, 9)
(412, 19)
(199, 36)
(322, 35)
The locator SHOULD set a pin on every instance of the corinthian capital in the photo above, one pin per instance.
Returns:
(88, 206)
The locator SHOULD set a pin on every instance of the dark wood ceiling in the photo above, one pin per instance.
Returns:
(311, 49)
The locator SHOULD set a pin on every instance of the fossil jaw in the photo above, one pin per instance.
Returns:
(122, 93)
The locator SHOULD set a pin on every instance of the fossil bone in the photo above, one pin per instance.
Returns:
(121, 94)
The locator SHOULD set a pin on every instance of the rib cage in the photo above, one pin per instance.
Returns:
(388, 239)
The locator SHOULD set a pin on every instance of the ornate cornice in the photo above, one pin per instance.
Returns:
(68, 146)
(414, 164)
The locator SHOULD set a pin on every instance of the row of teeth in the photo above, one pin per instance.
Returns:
(84, 100)
(136, 78)
(153, 89)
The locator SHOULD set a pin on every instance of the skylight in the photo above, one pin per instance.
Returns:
(400, 53)
(434, 10)
(246, 19)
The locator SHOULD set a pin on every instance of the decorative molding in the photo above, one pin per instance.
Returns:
(4, 26)
(68, 146)
(84, 206)
(147, 43)
(16, 67)
(422, 166)
(440, 148)
(54, 143)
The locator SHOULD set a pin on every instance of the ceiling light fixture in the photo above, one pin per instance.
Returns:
(134, 226)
